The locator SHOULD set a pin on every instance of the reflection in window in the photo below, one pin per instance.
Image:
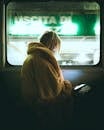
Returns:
(77, 26)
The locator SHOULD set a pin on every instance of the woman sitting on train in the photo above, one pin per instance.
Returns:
(44, 88)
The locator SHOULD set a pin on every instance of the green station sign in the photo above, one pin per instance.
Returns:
(70, 25)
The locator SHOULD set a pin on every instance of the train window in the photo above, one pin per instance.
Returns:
(77, 24)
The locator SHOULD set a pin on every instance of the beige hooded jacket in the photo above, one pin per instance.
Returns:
(42, 78)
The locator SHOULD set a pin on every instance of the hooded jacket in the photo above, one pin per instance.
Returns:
(41, 75)
(45, 91)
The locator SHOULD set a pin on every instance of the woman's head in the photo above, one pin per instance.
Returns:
(51, 40)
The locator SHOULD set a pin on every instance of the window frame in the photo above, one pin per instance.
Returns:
(66, 67)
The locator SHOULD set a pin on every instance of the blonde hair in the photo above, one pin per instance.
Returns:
(51, 40)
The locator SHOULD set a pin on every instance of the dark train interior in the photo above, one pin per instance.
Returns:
(81, 57)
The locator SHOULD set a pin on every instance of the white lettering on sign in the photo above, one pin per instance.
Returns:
(52, 20)
(43, 19)
(65, 19)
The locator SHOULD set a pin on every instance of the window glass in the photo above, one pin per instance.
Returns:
(77, 24)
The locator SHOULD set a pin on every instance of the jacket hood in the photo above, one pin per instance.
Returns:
(39, 50)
